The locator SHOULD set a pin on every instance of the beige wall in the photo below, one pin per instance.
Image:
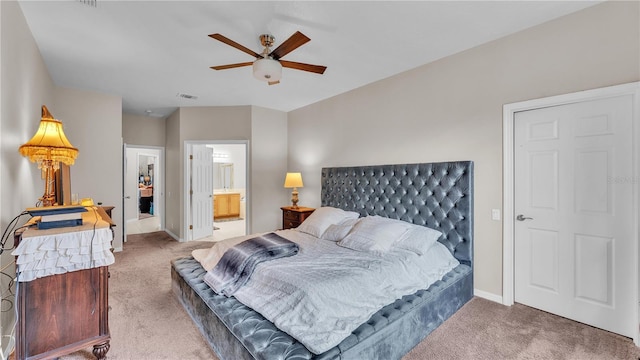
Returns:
(215, 123)
(452, 109)
(266, 131)
(196, 124)
(210, 123)
(268, 168)
(93, 123)
(143, 130)
(173, 177)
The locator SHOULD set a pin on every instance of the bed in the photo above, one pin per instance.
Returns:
(437, 195)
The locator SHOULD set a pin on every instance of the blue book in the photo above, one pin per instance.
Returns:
(55, 210)
(58, 224)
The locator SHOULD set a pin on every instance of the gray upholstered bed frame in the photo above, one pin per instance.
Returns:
(438, 195)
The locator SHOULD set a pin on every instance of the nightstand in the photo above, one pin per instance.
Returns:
(293, 217)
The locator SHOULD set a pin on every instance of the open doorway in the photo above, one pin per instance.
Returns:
(143, 199)
(227, 195)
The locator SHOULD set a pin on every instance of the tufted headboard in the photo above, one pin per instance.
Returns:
(438, 195)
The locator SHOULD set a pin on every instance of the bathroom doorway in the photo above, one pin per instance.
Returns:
(229, 195)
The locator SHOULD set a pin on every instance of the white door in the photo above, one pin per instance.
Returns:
(573, 197)
(201, 191)
(130, 186)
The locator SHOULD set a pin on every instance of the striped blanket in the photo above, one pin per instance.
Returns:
(237, 264)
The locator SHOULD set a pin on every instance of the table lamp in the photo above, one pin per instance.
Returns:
(49, 147)
(293, 180)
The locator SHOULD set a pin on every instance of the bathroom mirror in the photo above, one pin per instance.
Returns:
(225, 176)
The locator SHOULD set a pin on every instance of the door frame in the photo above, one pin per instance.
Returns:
(186, 199)
(508, 231)
(159, 183)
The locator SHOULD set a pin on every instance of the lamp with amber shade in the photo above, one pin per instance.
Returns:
(293, 180)
(49, 147)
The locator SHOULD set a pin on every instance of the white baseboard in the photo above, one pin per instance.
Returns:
(488, 296)
(177, 238)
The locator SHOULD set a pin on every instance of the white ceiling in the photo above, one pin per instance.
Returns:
(150, 51)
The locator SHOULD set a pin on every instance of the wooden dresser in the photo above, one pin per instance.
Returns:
(293, 217)
(63, 313)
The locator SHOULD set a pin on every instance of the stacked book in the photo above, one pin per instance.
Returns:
(58, 216)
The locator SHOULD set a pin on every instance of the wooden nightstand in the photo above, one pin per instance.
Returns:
(292, 218)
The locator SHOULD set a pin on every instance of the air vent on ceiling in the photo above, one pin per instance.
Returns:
(187, 96)
(93, 3)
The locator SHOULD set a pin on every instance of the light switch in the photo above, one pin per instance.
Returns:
(495, 214)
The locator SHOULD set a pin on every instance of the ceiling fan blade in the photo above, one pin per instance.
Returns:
(231, 66)
(305, 67)
(274, 82)
(293, 42)
(230, 42)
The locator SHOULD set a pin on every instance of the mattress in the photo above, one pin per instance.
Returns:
(248, 335)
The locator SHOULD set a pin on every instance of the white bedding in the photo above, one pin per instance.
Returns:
(326, 291)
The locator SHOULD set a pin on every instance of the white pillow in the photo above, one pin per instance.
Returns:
(322, 218)
(419, 239)
(375, 234)
(337, 232)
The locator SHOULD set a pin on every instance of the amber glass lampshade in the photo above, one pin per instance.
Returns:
(293, 180)
(49, 147)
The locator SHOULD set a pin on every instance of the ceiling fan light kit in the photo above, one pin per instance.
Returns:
(268, 66)
(267, 70)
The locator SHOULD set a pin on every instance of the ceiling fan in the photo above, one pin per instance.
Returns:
(268, 64)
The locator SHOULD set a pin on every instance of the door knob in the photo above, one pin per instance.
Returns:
(127, 197)
(521, 217)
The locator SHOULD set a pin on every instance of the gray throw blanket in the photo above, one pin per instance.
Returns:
(237, 264)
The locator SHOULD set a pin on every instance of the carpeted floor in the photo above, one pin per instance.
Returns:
(145, 320)
(148, 323)
(485, 330)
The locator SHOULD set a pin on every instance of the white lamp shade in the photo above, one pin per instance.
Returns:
(293, 180)
(267, 70)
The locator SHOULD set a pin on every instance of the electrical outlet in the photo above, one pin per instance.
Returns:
(495, 214)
